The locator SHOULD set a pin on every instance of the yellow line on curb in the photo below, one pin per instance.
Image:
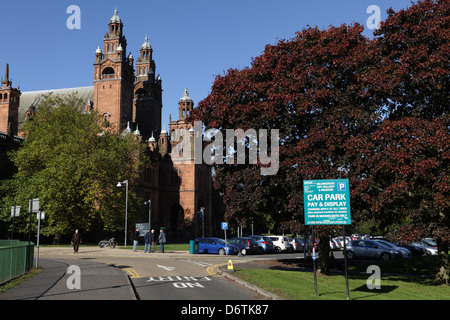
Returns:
(133, 273)
(210, 269)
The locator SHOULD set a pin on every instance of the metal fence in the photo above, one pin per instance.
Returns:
(16, 258)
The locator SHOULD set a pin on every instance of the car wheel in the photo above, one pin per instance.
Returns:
(243, 251)
(221, 252)
(386, 256)
(350, 255)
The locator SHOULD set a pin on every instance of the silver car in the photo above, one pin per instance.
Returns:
(371, 249)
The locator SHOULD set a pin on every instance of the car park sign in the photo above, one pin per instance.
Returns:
(326, 202)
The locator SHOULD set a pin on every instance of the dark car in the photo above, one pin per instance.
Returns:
(246, 245)
(264, 244)
(416, 251)
(216, 246)
(371, 249)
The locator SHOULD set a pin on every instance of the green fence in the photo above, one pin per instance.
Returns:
(16, 258)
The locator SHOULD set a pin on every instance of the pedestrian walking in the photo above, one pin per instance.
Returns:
(153, 239)
(76, 240)
(147, 241)
(135, 239)
(162, 239)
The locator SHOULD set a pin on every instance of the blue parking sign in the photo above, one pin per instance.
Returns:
(224, 225)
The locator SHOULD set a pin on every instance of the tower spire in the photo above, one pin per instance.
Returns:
(7, 72)
(6, 83)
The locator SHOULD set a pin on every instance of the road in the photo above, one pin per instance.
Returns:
(172, 275)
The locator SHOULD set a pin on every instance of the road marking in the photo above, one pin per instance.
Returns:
(166, 268)
(210, 269)
(133, 274)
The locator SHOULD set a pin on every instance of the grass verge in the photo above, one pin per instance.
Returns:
(14, 282)
(299, 285)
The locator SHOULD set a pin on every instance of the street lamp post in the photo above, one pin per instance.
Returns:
(149, 203)
(119, 185)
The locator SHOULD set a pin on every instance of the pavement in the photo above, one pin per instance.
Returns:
(100, 281)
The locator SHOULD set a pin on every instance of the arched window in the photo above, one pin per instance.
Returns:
(108, 73)
(140, 93)
(6, 97)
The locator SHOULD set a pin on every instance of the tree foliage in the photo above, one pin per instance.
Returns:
(374, 111)
(72, 164)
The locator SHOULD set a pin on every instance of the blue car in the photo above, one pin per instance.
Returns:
(216, 246)
(265, 244)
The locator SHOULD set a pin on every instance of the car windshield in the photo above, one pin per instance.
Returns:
(386, 244)
(220, 241)
(267, 238)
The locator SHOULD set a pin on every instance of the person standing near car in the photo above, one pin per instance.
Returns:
(162, 239)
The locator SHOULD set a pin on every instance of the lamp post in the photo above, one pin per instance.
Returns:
(149, 203)
(119, 185)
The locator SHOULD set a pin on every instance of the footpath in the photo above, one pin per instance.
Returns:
(100, 281)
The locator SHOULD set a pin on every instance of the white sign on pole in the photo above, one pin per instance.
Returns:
(15, 211)
(34, 204)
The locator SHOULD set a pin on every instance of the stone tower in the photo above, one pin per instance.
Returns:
(147, 93)
(114, 76)
(9, 106)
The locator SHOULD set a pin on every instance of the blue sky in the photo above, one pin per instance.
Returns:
(192, 40)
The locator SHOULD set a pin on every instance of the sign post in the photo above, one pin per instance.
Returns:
(40, 216)
(327, 202)
(224, 228)
(15, 212)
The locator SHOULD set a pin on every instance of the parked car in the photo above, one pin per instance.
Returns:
(335, 244)
(415, 250)
(371, 249)
(246, 245)
(296, 244)
(264, 244)
(341, 240)
(216, 246)
(281, 243)
(405, 252)
(430, 249)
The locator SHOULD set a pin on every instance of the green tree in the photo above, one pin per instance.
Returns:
(72, 164)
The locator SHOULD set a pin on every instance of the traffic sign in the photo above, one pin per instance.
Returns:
(224, 225)
(15, 211)
(33, 205)
(327, 202)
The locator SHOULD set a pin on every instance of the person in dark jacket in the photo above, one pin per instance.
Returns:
(153, 239)
(135, 238)
(76, 240)
(147, 241)
(162, 239)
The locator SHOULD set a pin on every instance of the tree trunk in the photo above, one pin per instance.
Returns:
(324, 255)
(443, 272)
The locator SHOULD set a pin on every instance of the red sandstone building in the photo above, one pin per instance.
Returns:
(132, 98)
